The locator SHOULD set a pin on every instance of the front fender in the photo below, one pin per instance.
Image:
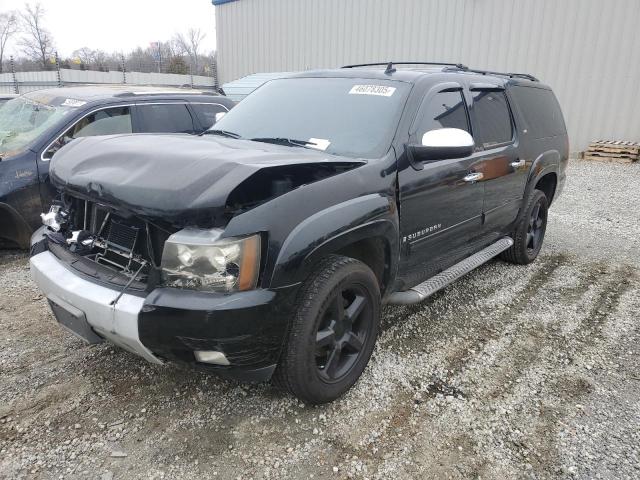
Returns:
(332, 229)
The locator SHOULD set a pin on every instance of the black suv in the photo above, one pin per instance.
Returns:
(267, 247)
(35, 125)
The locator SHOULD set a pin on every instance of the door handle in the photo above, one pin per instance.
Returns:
(518, 164)
(473, 177)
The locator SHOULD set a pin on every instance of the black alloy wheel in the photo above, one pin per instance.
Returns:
(529, 233)
(537, 225)
(342, 332)
(333, 331)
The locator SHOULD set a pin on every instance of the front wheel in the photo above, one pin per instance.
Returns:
(529, 233)
(333, 331)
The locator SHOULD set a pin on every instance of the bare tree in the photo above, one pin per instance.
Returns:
(84, 55)
(37, 42)
(8, 26)
(190, 43)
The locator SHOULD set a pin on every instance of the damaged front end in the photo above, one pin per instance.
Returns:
(145, 244)
(129, 252)
(164, 293)
(109, 246)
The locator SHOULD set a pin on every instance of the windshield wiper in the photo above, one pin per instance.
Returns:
(223, 133)
(285, 141)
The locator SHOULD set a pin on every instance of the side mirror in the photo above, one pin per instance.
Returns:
(441, 144)
(219, 116)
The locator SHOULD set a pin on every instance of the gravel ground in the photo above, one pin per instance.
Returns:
(511, 372)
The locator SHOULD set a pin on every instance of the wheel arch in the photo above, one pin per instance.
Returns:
(13, 226)
(547, 184)
(544, 173)
(362, 228)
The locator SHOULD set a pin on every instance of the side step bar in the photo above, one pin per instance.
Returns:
(425, 289)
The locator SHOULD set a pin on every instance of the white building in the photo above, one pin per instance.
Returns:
(587, 50)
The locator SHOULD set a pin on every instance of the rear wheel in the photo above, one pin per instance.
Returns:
(529, 234)
(333, 332)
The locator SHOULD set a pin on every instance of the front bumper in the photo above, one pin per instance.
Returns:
(117, 323)
(170, 324)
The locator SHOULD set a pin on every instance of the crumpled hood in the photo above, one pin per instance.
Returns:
(174, 177)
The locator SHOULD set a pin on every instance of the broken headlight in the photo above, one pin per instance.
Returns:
(56, 218)
(201, 260)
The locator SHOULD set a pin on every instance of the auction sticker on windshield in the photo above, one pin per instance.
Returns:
(379, 90)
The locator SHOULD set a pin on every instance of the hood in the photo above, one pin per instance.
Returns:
(181, 179)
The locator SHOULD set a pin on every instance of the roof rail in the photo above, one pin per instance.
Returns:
(456, 66)
(502, 74)
(386, 64)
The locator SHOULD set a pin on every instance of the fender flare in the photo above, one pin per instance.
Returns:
(334, 228)
(14, 227)
(545, 163)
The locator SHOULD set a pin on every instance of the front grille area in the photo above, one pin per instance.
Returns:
(126, 244)
(121, 235)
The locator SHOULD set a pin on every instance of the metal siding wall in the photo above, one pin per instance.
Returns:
(587, 50)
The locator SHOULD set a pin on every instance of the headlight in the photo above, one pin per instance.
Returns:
(200, 260)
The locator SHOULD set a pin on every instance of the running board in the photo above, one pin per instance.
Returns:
(426, 289)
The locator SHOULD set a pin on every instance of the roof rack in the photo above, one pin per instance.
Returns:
(452, 66)
(386, 64)
(502, 74)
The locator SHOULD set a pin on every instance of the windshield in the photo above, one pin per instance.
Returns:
(343, 116)
(24, 118)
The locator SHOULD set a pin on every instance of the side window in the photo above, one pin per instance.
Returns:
(444, 110)
(167, 118)
(541, 111)
(110, 121)
(492, 120)
(206, 113)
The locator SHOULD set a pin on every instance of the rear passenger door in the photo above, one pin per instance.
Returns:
(504, 171)
(164, 118)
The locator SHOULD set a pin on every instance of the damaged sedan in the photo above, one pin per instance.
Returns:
(264, 248)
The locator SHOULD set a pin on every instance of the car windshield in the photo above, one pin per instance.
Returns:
(24, 118)
(353, 117)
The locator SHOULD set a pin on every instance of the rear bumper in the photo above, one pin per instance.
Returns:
(171, 324)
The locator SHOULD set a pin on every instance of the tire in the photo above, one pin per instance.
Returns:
(333, 331)
(529, 233)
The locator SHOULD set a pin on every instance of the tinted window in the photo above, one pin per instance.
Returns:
(171, 118)
(343, 116)
(444, 110)
(110, 121)
(492, 119)
(206, 113)
(540, 110)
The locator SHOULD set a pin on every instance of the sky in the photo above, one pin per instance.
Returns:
(120, 25)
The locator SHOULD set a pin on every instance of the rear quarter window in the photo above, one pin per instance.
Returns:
(206, 113)
(541, 111)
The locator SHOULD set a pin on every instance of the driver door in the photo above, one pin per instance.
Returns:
(441, 203)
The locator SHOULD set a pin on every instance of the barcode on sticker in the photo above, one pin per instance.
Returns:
(379, 90)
